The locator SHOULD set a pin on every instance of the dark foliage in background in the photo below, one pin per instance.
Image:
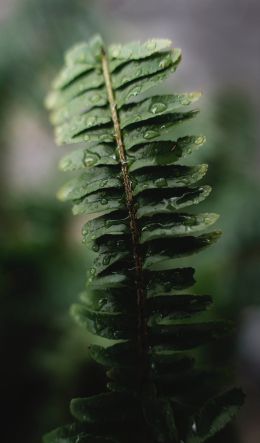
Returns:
(35, 329)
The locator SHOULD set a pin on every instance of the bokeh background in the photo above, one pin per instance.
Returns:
(44, 357)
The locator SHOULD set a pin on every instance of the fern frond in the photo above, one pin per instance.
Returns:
(131, 188)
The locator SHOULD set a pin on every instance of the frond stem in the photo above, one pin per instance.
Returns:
(142, 330)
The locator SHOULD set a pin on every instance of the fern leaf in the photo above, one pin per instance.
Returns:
(214, 415)
(133, 190)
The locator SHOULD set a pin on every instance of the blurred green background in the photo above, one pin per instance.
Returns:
(44, 359)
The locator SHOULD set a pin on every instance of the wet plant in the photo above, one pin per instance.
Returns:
(135, 193)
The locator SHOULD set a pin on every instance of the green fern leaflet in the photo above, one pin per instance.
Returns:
(135, 194)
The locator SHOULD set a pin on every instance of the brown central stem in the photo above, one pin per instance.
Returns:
(142, 332)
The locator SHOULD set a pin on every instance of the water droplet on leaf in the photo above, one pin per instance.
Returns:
(150, 45)
(160, 182)
(91, 121)
(137, 117)
(95, 98)
(102, 302)
(156, 108)
(135, 91)
(194, 427)
(200, 140)
(129, 54)
(165, 62)
(88, 161)
(116, 51)
(151, 134)
(66, 163)
(95, 248)
(106, 260)
(185, 100)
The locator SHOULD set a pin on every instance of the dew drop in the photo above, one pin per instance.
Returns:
(156, 108)
(137, 118)
(116, 334)
(91, 121)
(106, 260)
(185, 100)
(86, 137)
(151, 134)
(116, 51)
(82, 189)
(75, 128)
(164, 63)
(165, 126)
(199, 140)
(102, 302)
(150, 45)
(207, 220)
(92, 271)
(103, 201)
(88, 161)
(171, 203)
(95, 98)
(135, 91)
(194, 427)
(125, 80)
(95, 248)
(66, 163)
(98, 326)
(160, 182)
